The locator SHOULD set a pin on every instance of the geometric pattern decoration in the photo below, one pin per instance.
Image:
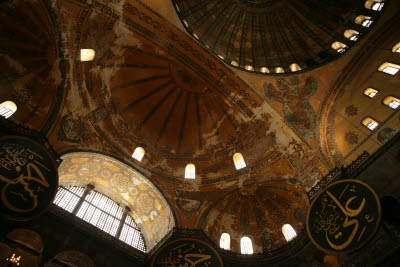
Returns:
(124, 185)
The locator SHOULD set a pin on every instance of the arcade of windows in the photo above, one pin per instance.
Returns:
(100, 211)
(246, 246)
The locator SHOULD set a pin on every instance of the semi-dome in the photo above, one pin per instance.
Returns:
(274, 36)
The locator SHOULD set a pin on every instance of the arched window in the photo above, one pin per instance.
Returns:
(7, 109)
(295, 67)
(190, 171)
(370, 92)
(234, 63)
(249, 68)
(351, 34)
(264, 70)
(225, 241)
(245, 245)
(239, 161)
(389, 68)
(396, 48)
(370, 123)
(279, 70)
(338, 46)
(102, 212)
(288, 232)
(364, 21)
(376, 5)
(392, 102)
(138, 154)
(87, 54)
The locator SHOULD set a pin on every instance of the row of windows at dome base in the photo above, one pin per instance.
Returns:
(246, 246)
(190, 170)
(102, 212)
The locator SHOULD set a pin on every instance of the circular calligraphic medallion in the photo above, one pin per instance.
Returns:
(28, 178)
(343, 217)
(187, 252)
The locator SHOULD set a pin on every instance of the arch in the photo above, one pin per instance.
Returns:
(351, 34)
(249, 68)
(391, 102)
(370, 92)
(295, 67)
(27, 238)
(7, 109)
(239, 161)
(102, 212)
(376, 5)
(396, 48)
(370, 123)
(264, 70)
(389, 68)
(138, 153)
(288, 232)
(339, 47)
(87, 54)
(234, 63)
(225, 241)
(246, 247)
(125, 186)
(190, 171)
(71, 258)
(279, 70)
(364, 21)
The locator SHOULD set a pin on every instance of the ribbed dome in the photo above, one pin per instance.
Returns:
(273, 36)
(259, 212)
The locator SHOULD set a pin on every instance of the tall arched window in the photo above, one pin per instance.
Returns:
(370, 92)
(338, 46)
(288, 232)
(102, 212)
(246, 246)
(396, 48)
(190, 171)
(87, 54)
(376, 5)
(351, 34)
(370, 123)
(364, 21)
(239, 161)
(7, 109)
(392, 102)
(138, 154)
(225, 241)
(389, 68)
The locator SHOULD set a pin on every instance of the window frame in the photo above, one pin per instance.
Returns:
(366, 117)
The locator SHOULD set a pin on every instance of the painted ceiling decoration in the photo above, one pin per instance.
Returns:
(259, 212)
(124, 185)
(264, 35)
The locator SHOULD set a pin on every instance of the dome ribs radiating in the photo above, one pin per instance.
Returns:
(256, 36)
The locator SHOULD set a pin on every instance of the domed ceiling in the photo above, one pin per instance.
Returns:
(261, 35)
(259, 212)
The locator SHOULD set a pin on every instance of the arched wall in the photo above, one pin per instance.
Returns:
(126, 186)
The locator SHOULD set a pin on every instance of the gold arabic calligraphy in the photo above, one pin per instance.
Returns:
(334, 216)
(186, 255)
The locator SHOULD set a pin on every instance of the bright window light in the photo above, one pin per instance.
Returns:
(87, 54)
(370, 92)
(239, 161)
(225, 241)
(245, 245)
(7, 109)
(389, 68)
(190, 171)
(138, 154)
(288, 232)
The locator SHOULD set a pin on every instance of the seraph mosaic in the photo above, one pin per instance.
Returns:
(296, 106)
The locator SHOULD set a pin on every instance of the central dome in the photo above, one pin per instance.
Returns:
(271, 36)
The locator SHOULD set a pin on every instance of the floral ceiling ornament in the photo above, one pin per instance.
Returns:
(295, 99)
(351, 138)
(351, 110)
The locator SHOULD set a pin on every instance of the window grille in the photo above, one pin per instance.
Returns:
(389, 68)
(288, 232)
(68, 197)
(370, 92)
(130, 234)
(246, 246)
(7, 109)
(102, 212)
